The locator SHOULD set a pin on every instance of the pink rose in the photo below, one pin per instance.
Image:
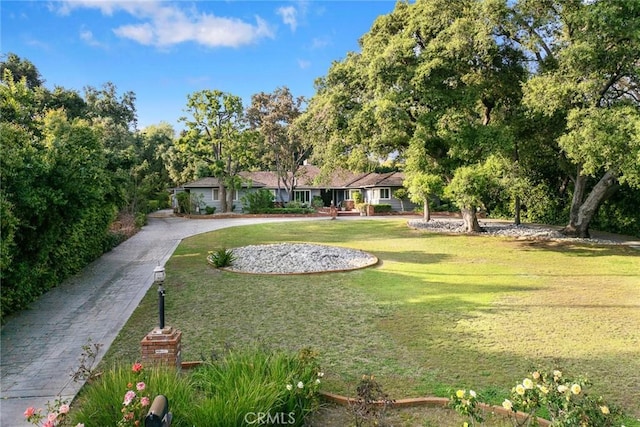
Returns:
(30, 412)
(128, 397)
(145, 401)
(63, 409)
(140, 386)
(52, 416)
(49, 424)
(137, 367)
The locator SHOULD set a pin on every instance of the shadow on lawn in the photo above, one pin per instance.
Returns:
(577, 249)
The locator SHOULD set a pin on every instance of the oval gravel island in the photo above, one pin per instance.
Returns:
(298, 258)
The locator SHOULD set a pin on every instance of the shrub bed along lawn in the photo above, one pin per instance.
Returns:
(440, 312)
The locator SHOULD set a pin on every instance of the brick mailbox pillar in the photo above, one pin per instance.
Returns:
(162, 347)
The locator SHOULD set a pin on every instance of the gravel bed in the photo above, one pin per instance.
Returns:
(501, 229)
(297, 258)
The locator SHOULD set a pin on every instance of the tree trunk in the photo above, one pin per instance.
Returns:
(230, 193)
(582, 214)
(516, 219)
(223, 197)
(470, 220)
(578, 197)
(425, 211)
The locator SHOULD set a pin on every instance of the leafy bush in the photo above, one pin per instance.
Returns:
(221, 258)
(288, 210)
(295, 204)
(210, 210)
(382, 208)
(358, 197)
(141, 219)
(564, 401)
(189, 203)
(317, 202)
(257, 201)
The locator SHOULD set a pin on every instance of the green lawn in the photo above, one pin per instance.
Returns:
(438, 312)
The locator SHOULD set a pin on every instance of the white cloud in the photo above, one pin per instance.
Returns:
(289, 16)
(302, 63)
(319, 43)
(87, 37)
(164, 24)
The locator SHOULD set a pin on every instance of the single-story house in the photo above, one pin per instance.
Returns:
(376, 188)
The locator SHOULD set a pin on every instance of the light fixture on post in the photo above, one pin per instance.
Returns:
(158, 277)
(162, 345)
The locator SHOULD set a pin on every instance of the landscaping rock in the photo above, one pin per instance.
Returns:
(297, 258)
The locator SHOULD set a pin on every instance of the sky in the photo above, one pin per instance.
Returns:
(165, 50)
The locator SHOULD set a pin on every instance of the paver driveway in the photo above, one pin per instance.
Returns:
(40, 347)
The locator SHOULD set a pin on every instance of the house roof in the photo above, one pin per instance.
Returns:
(307, 179)
(371, 179)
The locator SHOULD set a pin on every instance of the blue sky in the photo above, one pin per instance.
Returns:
(165, 50)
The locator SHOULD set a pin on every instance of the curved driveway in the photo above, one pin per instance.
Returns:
(40, 347)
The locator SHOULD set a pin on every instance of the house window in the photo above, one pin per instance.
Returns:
(384, 193)
(303, 196)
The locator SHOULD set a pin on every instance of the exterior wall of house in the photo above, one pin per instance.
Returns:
(376, 197)
(207, 199)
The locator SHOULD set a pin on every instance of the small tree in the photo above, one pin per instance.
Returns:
(469, 188)
(401, 194)
(421, 187)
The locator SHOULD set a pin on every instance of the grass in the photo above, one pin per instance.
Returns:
(439, 312)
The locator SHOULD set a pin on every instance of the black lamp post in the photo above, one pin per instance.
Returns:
(158, 277)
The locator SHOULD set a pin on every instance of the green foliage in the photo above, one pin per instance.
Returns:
(221, 258)
(69, 163)
(256, 380)
(606, 139)
(257, 201)
(287, 210)
(620, 213)
(210, 210)
(382, 208)
(422, 186)
(466, 404)
(295, 204)
(216, 140)
(54, 189)
(472, 185)
(566, 401)
(100, 402)
(357, 197)
(317, 202)
(189, 203)
(140, 220)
